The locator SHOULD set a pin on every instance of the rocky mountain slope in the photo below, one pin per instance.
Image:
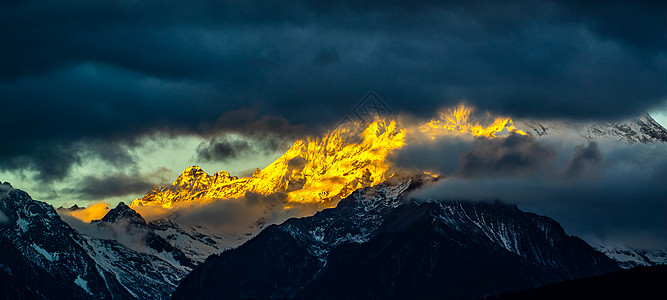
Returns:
(378, 243)
(118, 257)
(46, 256)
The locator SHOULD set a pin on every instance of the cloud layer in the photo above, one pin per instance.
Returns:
(80, 73)
(611, 192)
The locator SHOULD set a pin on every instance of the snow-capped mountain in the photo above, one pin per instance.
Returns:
(196, 242)
(133, 232)
(46, 256)
(118, 257)
(146, 264)
(378, 243)
(375, 228)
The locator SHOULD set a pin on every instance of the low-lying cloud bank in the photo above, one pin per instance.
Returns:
(606, 191)
(238, 217)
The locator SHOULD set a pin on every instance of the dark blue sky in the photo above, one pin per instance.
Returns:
(78, 74)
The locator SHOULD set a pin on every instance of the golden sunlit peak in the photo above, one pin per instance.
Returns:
(459, 120)
(314, 170)
(322, 169)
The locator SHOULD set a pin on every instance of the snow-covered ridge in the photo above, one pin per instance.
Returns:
(643, 129)
(630, 258)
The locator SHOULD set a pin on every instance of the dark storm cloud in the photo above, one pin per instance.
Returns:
(119, 184)
(621, 198)
(512, 155)
(222, 149)
(228, 148)
(79, 71)
(584, 157)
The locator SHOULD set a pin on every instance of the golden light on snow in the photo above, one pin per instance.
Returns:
(458, 120)
(322, 170)
(93, 212)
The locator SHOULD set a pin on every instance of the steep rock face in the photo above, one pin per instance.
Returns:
(376, 243)
(47, 256)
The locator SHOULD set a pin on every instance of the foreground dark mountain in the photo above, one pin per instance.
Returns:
(378, 244)
(118, 257)
(45, 256)
(637, 283)
(12, 288)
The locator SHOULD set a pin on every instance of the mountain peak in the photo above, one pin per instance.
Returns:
(5, 187)
(71, 208)
(192, 170)
(193, 176)
(315, 170)
(123, 212)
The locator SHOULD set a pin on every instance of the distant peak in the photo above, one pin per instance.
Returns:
(71, 208)
(192, 169)
(193, 172)
(123, 212)
(6, 186)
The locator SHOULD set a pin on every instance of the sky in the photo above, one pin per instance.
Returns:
(102, 99)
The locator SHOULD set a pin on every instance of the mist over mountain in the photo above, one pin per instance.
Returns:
(331, 149)
(361, 202)
(379, 244)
